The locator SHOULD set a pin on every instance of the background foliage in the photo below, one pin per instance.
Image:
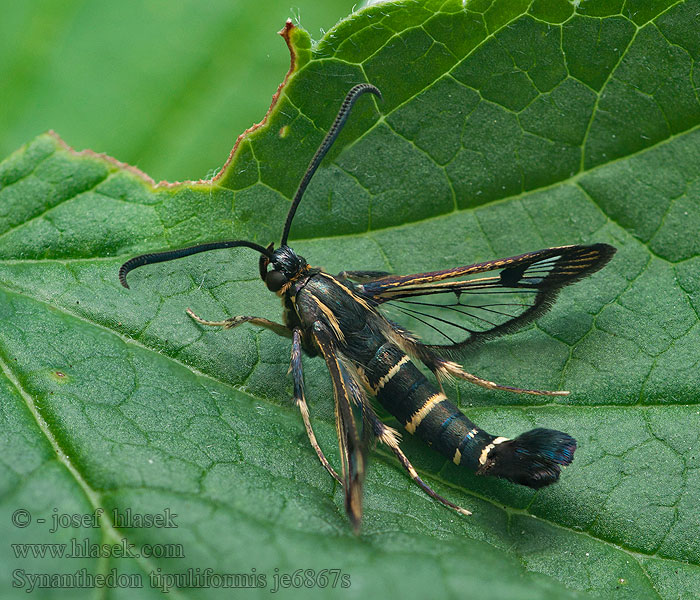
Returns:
(164, 85)
(504, 128)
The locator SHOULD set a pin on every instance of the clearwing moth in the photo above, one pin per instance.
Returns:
(354, 321)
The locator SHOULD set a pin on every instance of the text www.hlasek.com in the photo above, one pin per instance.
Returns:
(86, 549)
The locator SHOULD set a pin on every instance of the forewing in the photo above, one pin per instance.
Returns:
(353, 449)
(455, 308)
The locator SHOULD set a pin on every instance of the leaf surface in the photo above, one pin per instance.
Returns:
(505, 127)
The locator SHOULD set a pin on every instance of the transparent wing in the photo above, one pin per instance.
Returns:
(454, 308)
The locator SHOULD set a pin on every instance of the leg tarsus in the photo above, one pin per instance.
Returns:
(424, 486)
(444, 368)
(389, 437)
(278, 328)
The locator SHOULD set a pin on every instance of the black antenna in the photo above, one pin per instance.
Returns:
(156, 257)
(342, 116)
(327, 142)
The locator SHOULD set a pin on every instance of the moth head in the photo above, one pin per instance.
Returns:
(286, 266)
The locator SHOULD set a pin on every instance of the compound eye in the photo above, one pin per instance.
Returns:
(275, 280)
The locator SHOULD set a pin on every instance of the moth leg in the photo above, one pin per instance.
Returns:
(278, 328)
(296, 368)
(352, 448)
(389, 437)
(446, 369)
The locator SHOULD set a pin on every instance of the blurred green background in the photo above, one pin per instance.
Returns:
(166, 85)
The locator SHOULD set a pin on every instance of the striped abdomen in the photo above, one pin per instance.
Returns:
(534, 458)
(422, 409)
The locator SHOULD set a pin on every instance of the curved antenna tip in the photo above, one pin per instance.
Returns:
(373, 89)
(124, 270)
(166, 255)
(342, 116)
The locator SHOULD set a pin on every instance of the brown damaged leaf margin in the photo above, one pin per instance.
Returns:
(286, 34)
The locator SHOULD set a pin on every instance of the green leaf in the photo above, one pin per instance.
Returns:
(505, 127)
